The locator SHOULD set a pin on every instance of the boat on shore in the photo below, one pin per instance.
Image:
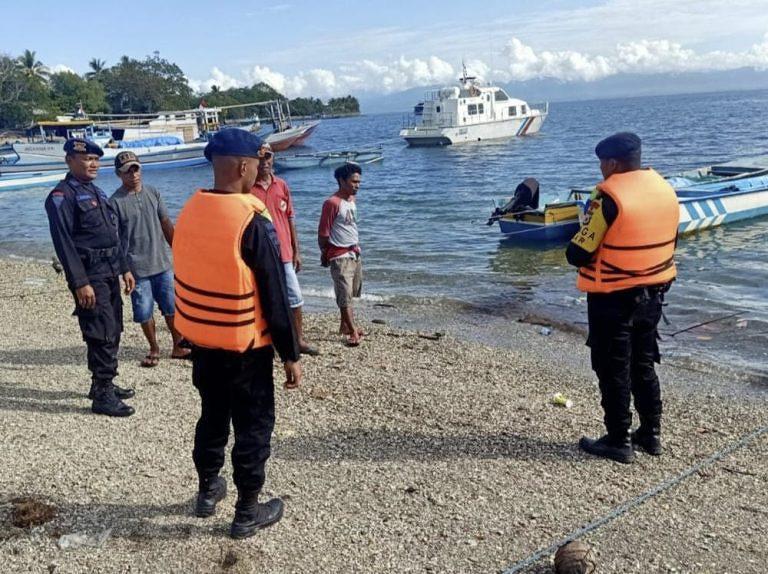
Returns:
(708, 197)
(470, 112)
(326, 159)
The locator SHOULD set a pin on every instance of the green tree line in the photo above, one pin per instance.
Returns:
(30, 91)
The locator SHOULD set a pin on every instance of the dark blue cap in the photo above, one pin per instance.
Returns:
(233, 141)
(80, 145)
(622, 146)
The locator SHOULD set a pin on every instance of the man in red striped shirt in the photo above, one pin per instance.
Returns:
(340, 246)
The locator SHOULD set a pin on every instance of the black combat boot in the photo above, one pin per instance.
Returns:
(648, 437)
(618, 448)
(252, 515)
(120, 392)
(105, 402)
(211, 491)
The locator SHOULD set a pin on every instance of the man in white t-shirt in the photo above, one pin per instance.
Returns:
(340, 246)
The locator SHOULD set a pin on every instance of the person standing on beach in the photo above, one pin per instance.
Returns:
(232, 306)
(276, 195)
(340, 246)
(84, 233)
(146, 231)
(625, 255)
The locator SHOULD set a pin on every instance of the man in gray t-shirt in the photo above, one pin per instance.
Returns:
(146, 232)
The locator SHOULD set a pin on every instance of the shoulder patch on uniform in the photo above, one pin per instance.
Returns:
(57, 199)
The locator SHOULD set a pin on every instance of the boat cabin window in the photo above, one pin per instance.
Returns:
(480, 109)
(472, 109)
(523, 110)
(500, 96)
(437, 109)
(512, 111)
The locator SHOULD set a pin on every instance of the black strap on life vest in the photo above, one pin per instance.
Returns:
(637, 247)
(213, 309)
(216, 323)
(213, 293)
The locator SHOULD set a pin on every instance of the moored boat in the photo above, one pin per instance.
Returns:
(20, 181)
(471, 112)
(708, 197)
(326, 159)
(291, 136)
(50, 157)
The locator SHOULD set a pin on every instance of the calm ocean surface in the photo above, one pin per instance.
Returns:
(428, 251)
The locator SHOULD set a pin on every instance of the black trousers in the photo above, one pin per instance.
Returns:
(101, 328)
(624, 345)
(237, 387)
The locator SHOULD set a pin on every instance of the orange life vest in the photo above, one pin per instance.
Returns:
(217, 300)
(639, 246)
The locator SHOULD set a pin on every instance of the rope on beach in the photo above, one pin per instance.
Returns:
(635, 502)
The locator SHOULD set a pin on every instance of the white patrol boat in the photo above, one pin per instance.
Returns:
(471, 112)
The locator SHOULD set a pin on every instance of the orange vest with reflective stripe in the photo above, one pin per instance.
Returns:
(639, 246)
(217, 300)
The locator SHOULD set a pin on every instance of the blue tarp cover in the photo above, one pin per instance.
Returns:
(149, 142)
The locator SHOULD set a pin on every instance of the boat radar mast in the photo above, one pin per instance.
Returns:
(464, 78)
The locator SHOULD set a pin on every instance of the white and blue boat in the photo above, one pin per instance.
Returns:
(708, 197)
(708, 205)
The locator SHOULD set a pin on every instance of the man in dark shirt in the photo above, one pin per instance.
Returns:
(84, 234)
(216, 311)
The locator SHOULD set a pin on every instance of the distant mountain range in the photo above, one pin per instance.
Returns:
(620, 85)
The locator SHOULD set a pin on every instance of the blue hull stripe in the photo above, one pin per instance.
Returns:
(694, 215)
(720, 207)
(705, 208)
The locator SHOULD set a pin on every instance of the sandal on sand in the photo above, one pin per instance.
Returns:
(353, 341)
(183, 356)
(150, 361)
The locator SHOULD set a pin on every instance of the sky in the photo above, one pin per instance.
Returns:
(337, 47)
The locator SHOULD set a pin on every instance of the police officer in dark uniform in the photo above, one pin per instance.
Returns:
(84, 232)
(625, 255)
(232, 306)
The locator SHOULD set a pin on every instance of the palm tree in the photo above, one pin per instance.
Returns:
(97, 69)
(31, 67)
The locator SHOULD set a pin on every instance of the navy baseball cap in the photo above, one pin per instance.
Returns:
(621, 146)
(235, 142)
(80, 145)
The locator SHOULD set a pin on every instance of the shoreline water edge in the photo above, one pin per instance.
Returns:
(418, 451)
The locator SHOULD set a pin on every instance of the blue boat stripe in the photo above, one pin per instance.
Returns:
(694, 215)
(706, 209)
(720, 207)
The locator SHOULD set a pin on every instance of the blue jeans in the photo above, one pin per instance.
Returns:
(150, 289)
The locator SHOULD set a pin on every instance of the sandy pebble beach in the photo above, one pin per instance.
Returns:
(406, 454)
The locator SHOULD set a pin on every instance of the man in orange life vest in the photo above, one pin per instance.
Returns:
(232, 306)
(625, 255)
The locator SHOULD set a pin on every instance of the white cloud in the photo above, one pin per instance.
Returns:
(520, 62)
(58, 68)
